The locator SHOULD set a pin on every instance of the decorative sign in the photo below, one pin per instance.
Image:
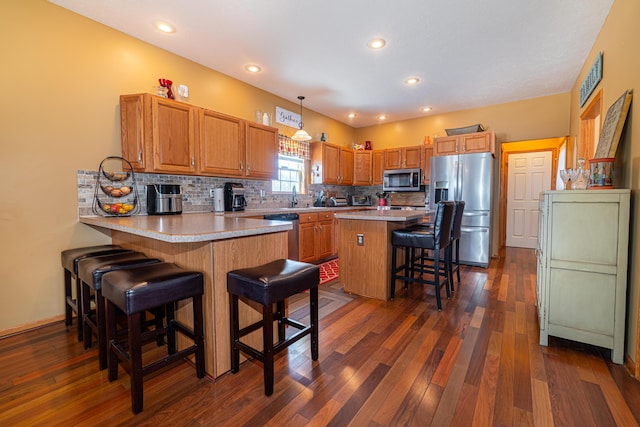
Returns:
(613, 125)
(591, 81)
(288, 118)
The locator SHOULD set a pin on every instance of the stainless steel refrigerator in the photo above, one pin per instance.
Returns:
(467, 177)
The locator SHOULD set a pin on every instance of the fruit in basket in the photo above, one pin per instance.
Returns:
(107, 189)
(125, 190)
(128, 207)
(114, 208)
(116, 192)
(106, 208)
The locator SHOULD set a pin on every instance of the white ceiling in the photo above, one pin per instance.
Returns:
(467, 53)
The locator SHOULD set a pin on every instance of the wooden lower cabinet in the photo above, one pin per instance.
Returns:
(316, 236)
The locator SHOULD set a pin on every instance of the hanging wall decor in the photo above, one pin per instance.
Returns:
(613, 125)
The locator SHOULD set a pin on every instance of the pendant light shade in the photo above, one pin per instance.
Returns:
(301, 134)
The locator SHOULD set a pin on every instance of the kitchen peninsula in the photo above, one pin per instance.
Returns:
(364, 249)
(213, 244)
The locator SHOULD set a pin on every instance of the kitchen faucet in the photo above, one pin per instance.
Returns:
(294, 201)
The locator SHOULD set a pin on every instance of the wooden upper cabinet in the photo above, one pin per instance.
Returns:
(346, 166)
(158, 134)
(222, 147)
(261, 151)
(403, 158)
(427, 153)
(331, 164)
(166, 136)
(362, 168)
(173, 136)
(377, 167)
(132, 130)
(477, 142)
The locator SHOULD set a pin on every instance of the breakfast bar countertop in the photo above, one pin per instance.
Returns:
(383, 215)
(187, 227)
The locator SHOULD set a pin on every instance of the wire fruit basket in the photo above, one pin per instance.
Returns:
(116, 191)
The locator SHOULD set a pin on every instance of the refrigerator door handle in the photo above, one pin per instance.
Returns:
(474, 229)
(475, 214)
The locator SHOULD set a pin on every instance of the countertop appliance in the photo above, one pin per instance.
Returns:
(401, 180)
(467, 177)
(234, 200)
(360, 200)
(218, 200)
(337, 202)
(164, 199)
(292, 241)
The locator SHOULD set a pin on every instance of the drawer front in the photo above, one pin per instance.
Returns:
(308, 217)
(326, 216)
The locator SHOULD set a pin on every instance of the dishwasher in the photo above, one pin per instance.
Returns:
(292, 244)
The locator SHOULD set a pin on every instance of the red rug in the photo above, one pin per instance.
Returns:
(328, 271)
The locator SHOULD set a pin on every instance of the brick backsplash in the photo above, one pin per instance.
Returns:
(195, 191)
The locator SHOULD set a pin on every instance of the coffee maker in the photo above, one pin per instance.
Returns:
(234, 200)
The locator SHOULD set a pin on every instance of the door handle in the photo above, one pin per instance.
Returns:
(474, 230)
(475, 214)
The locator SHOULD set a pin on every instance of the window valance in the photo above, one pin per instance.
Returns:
(289, 147)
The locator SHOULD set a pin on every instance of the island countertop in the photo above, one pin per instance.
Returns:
(383, 215)
(187, 227)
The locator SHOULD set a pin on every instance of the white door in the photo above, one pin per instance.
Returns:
(529, 174)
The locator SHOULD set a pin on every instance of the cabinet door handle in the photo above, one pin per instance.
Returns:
(140, 156)
(241, 167)
(193, 162)
(248, 168)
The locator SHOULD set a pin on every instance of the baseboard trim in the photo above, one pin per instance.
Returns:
(6, 333)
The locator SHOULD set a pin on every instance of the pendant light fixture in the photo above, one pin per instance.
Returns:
(301, 134)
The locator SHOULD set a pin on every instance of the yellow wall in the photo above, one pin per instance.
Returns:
(537, 118)
(618, 41)
(61, 78)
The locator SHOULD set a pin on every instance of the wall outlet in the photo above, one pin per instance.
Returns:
(360, 239)
(211, 192)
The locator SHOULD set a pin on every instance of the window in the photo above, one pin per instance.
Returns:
(290, 173)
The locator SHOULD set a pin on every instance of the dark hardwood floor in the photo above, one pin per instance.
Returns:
(477, 362)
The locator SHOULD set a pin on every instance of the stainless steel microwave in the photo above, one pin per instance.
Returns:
(401, 180)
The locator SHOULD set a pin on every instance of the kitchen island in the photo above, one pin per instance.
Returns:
(213, 244)
(364, 249)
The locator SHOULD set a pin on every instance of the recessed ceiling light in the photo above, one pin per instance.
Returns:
(351, 115)
(382, 117)
(411, 81)
(377, 43)
(252, 68)
(165, 28)
(425, 109)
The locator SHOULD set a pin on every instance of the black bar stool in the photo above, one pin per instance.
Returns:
(70, 259)
(450, 264)
(90, 272)
(418, 237)
(454, 247)
(270, 284)
(134, 291)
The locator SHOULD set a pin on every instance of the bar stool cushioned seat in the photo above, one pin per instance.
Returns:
(70, 259)
(136, 290)
(268, 284)
(90, 272)
(418, 237)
